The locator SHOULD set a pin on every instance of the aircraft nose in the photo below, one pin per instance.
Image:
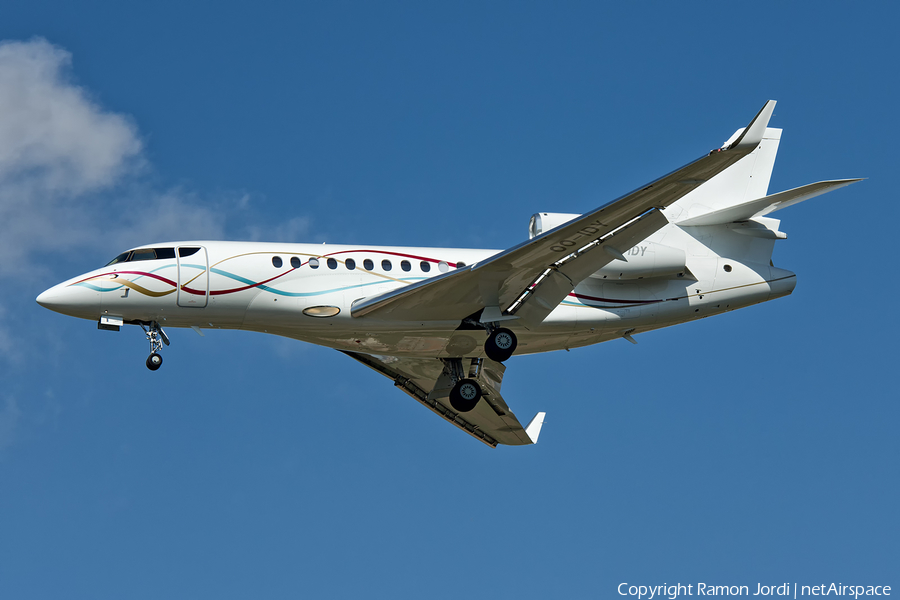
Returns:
(48, 298)
(72, 301)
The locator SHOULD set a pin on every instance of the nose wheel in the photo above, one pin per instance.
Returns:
(154, 361)
(157, 337)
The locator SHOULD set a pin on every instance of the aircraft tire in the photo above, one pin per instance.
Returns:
(500, 345)
(154, 361)
(465, 395)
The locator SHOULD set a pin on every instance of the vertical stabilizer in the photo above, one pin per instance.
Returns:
(761, 173)
(748, 179)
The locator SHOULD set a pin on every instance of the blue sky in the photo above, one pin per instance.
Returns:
(757, 446)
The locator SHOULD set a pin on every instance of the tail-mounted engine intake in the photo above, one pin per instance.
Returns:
(647, 259)
(544, 222)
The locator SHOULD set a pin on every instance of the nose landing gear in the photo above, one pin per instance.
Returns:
(157, 337)
(154, 361)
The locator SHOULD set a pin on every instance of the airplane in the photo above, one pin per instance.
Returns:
(441, 322)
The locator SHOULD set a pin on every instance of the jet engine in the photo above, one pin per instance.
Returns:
(645, 260)
(543, 222)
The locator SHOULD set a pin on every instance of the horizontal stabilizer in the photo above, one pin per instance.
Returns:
(764, 206)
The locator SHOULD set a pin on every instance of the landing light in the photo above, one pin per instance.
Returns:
(321, 311)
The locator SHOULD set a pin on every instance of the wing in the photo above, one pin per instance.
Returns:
(424, 379)
(529, 280)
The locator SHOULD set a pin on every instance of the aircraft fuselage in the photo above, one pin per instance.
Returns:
(305, 292)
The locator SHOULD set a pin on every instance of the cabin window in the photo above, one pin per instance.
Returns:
(314, 263)
(368, 265)
(332, 264)
(351, 264)
(386, 265)
(727, 268)
(425, 266)
(404, 264)
(183, 252)
(277, 262)
(443, 267)
(295, 262)
(460, 265)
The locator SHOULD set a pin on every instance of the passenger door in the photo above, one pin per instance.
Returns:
(193, 276)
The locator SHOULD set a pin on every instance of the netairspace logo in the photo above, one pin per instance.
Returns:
(649, 592)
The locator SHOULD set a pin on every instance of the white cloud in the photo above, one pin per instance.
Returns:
(170, 215)
(60, 152)
(57, 147)
(70, 174)
(53, 137)
(72, 179)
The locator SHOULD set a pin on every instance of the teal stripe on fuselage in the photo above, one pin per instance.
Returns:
(250, 282)
(273, 290)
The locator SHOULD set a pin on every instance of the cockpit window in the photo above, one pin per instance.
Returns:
(119, 259)
(150, 254)
(143, 254)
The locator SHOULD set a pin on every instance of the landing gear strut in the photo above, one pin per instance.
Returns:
(157, 337)
(500, 344)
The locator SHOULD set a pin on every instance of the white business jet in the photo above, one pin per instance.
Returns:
(440, 322)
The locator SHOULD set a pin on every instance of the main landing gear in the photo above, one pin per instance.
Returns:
(466, 392)
(500, 344)
(157, 337)
(465, 395)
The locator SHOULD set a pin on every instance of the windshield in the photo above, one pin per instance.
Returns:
(149, 254)
(120, 258)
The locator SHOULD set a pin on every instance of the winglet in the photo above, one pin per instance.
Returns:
(753, 133)
(534, 428)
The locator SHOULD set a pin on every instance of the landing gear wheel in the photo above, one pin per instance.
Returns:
(154, 361)
(465, 395)
(500, 345)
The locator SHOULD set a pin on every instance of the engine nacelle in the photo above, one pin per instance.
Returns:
(543, 222)
(645, 260)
